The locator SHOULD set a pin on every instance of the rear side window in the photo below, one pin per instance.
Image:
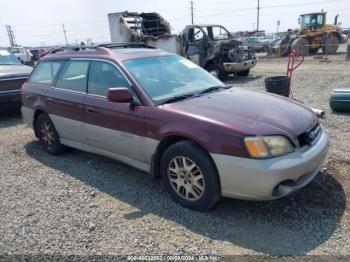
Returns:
(104, 76)
(74, 76)
(45, 72)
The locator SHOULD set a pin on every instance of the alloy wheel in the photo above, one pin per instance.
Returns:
(47, 134)
(186, 178)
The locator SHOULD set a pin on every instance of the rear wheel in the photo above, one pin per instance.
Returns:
(48, 136)
(301, 45)
(190, 176)
(332, 45)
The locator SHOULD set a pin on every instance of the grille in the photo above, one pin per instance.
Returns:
(310, 136)
(11, 84)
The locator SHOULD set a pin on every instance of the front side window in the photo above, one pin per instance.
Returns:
(166, 77)
(103, 76)
(45, 72)
(219, 33)
(74, 76)
(195, 35)
(320, 20)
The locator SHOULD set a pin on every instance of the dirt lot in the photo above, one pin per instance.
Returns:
(80, 203)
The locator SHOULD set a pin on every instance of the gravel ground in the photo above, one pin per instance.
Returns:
(84, 204)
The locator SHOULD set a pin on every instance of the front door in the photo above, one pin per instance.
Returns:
(194, 45)
(113, 127)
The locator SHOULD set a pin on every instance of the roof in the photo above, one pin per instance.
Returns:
(315, 13)
(111, 53)
(203, 25)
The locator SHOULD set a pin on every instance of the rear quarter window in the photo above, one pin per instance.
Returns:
(45, 72)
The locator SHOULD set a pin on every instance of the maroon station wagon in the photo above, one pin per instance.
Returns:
(163, 114)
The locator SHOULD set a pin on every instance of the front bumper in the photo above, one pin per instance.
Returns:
(10, 98)
(238, 67)
(267, 179)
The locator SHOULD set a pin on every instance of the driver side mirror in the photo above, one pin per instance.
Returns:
(119, 95)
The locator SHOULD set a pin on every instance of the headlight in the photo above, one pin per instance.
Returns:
(268, 146)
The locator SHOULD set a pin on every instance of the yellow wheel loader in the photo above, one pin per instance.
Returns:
(314, 34)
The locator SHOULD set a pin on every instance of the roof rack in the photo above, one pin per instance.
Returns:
(126, 45)
(102, 46)
(71, 48)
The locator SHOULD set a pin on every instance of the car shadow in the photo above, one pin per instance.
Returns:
(242, 79)
(10, 117)
(292, 225)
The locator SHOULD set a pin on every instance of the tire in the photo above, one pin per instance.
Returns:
(243, 73)
(301, 45)
(216, 70)
(332, 45)
(48, 136)
(197, 187)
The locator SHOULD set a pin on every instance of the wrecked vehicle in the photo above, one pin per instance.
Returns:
(209, 46)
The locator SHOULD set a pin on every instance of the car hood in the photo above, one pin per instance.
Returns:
(249, 112)
(10, 71)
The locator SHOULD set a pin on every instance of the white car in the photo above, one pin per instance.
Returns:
(21, 53)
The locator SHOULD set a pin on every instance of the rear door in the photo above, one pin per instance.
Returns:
(65, 100)
(113, 127)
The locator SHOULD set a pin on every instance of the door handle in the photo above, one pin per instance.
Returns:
(90, 109)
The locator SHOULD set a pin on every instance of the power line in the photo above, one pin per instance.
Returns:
(252, 8)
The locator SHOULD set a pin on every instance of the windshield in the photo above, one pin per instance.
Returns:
(311, 21)
(8, 59)
(167, 77)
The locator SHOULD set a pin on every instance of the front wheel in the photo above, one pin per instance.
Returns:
(216, 70)
(190, 176)
(302, 46)
(243, 73)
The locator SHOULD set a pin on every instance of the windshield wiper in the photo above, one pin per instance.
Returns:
(212, 89)
(176, 98)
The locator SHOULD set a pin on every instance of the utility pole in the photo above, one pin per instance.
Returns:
(11, 35)
(192, 12)
(65, 34)
(278, 25)
(258, 16)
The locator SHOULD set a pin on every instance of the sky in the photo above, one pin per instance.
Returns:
(39, 22)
